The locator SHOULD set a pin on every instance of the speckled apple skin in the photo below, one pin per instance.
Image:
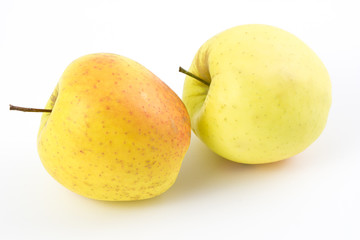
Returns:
(116, 132)
(269, 94)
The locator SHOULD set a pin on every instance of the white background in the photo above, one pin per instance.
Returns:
(314, 195)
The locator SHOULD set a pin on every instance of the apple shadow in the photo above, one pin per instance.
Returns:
(204, 171)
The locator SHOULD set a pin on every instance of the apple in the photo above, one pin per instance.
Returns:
(264, 95)
(114, 131)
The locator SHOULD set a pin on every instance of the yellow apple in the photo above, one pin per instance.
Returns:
(116, 132)
(266, 95)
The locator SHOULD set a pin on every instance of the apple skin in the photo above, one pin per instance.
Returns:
(268, 99)
(116, 132)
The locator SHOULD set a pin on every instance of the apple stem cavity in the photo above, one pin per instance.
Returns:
(193, 76)
(23, 109)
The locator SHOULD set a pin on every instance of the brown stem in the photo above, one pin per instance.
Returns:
(23, 109)
(193, 76)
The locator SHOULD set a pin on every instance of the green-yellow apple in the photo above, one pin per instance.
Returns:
(116, 132)
(265, 96)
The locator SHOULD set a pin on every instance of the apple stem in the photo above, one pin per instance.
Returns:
(23, 109)
(193, 76)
